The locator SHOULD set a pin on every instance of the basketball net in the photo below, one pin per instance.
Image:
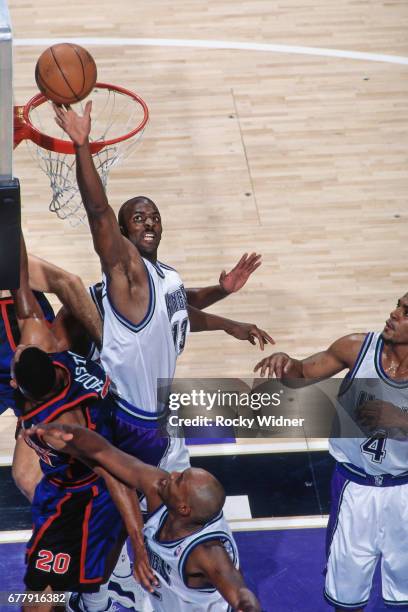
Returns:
(119, 118)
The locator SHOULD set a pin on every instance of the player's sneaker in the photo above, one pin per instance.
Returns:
(128, 592)
(75, 604)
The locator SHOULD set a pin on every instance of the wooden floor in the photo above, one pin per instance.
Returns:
(302, 158)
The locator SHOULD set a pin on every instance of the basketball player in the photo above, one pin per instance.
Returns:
(369, 507)
(190, 544)
(76, 525)
(44, 277)
(146, 316)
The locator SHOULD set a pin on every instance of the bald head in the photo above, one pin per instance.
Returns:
(206, 495)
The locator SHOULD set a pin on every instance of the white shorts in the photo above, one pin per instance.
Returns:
(368, 524)
(177, 457)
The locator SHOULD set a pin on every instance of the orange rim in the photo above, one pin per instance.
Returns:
(24, 129)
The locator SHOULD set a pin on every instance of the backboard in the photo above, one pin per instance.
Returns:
(6, 94)
(9, 186)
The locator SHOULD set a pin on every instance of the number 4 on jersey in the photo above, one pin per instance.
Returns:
(375, 447)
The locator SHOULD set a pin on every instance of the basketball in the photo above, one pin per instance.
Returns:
(65, 73)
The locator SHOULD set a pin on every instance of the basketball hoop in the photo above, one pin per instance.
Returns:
(114, 110)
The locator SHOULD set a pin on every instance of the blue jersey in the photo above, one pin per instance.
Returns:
(9, 339)
(87, 388)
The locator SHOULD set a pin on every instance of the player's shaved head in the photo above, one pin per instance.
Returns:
(129, 207)
(206, 495)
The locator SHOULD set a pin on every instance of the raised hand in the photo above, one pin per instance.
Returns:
(238, 276)
(78, 127)
(250, 332)
(277, 365)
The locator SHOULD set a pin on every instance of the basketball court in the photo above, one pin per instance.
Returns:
(275, 128)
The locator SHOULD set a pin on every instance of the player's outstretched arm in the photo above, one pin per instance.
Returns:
(203, 321)
(230, 282)
(128, 284)
(340, 355)
(213, 562)
(69, 288)
(31, 321)
(94, 450)
(126, 500)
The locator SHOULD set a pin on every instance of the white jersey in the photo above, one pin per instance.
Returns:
(168, 560)
(136, 356)
(368, 381)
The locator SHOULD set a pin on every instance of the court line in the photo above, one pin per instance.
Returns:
(213, 44)
(253, 448)
(273, 524)
(6, 460)
(266, 524)
(8, 537)
(231, 448)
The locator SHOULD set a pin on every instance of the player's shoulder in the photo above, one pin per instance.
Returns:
(348, 347)
(166, 266)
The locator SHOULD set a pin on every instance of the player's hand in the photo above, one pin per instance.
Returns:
(142, 571)
(238, 276)
(277, 365)
(56, 436)
(247, 601)
(77, 127)
(250, 332)
(377, 414)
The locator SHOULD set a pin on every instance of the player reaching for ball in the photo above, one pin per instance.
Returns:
(146, 313)
(189, 542)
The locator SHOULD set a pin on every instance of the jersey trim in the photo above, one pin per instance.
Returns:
(343, 490)
(344, 606)
(220, 535)
(359, 476)
(166, 267)
(47, 523)
(380, 370)
(172, 543)
(4, 302)
(350, 376)
(74, 485)
(157, 267)
(149, 313)
(158, 509)
(96, 292)
(143, 415)
(84, 544)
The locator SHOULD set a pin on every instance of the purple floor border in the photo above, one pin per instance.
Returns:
(284, 568)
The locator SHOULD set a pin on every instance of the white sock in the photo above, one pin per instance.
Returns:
(122, 567)
(96, 602)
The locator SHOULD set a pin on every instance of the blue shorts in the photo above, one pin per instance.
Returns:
(6, 395)
(74, 533)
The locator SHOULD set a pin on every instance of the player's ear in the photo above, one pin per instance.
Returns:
(184, 509)
(13, 383)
